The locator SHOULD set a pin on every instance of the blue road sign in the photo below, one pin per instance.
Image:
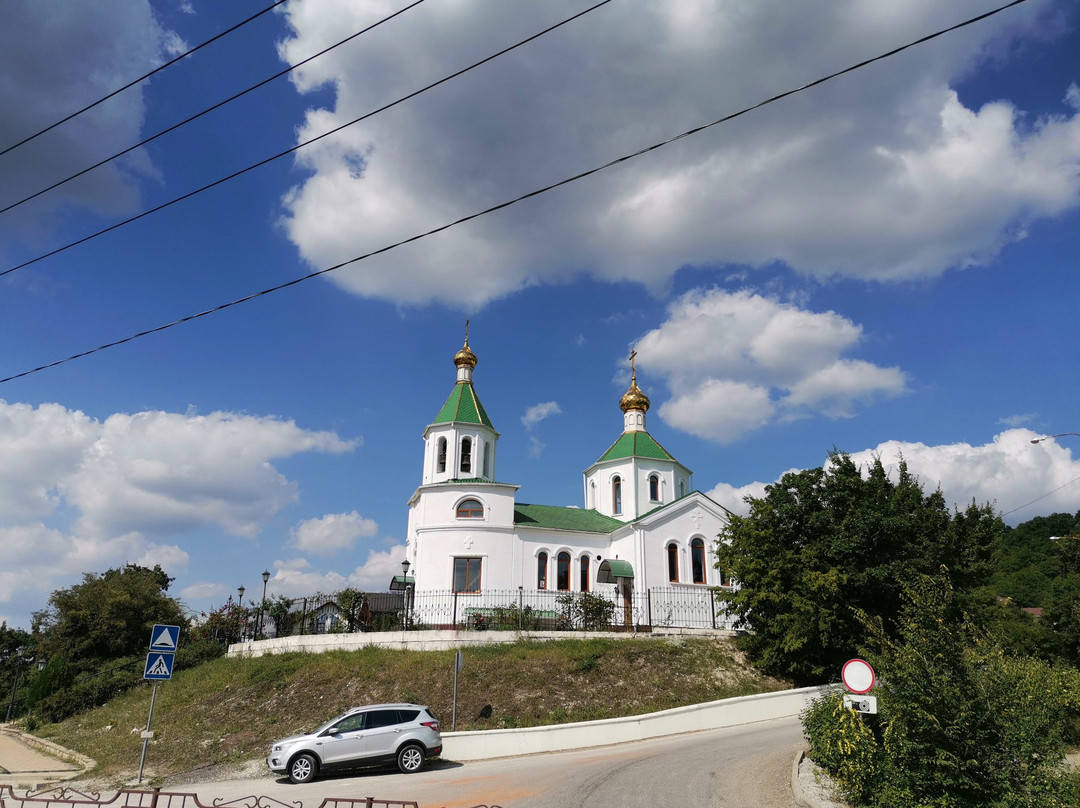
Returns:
(164, 638)
(158, 665)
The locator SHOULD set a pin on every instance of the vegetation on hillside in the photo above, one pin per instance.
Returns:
(229, 710)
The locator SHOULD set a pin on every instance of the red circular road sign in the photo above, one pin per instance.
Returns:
(858, 676)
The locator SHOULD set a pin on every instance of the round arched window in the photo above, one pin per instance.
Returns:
(470, 509)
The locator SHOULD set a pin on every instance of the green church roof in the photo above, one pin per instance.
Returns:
(463, 406)
(635, 444)
(562, 518)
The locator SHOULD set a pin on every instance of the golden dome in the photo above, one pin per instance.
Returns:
(634, 399)
(465, 357)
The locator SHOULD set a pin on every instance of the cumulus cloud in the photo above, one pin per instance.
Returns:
(331, 533)
(1018, 479)
(298, 577)
(74, 53)
(736, 361)
(538, 412)
(78, 494)
(884, 174)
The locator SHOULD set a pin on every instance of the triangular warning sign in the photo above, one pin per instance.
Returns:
(164, 639)
(159, 668)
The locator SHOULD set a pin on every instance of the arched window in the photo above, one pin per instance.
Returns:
(697, 556)
(470, 509)
(654, 487)
(682, 488)
(562, 576)
(616, 495)
(541, 571)
(487, 461)
(672, 563)
(442, 455)
(466, 455)
(584, 574)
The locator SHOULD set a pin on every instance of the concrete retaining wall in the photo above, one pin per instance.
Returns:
(712, 715)
(437, 640)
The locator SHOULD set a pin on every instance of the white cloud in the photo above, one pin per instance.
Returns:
(1019, 479)
(79, 495)
(883, 174)
(538, 412)
(735, 362)
(329, 534)
(64, 58)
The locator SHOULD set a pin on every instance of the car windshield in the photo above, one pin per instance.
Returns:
(323, 727)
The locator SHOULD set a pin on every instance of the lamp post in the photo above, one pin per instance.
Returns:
(240, 608)
(1059, 435)
(18, 655)
(408, 592)
(262, 605)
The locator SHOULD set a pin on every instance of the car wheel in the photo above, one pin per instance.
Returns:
(302, 768)
(410, 759)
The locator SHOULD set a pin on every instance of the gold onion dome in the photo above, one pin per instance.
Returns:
(465, 356)
(634, 399)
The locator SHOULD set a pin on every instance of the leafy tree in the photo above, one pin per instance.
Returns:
(107, 616)
(960, 723)
(1027, 563)
(826, 542)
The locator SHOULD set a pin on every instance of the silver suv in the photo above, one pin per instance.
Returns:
(405, 734)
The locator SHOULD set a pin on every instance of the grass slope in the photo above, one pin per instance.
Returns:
(228, 711)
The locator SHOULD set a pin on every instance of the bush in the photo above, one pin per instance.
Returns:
(585, 610)
(960, 724)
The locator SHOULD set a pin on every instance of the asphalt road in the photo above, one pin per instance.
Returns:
(747, 766)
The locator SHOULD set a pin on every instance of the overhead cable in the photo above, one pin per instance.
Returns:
(131, 84)
(210, 109)
(299, 146)
(516, 200)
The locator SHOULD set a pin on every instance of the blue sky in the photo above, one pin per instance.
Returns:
(885, 263)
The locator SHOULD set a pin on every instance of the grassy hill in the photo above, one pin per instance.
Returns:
(228, 711)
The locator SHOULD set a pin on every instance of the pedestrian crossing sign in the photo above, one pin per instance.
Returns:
(164, 638)
(158, 665)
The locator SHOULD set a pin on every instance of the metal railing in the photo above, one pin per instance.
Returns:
(606, 609)
(64, 797)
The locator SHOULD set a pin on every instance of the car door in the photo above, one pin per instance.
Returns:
(383, 730)
(344, 742)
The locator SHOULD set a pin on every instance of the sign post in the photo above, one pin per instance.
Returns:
(459, 663)
(859, 679)
(159, 667)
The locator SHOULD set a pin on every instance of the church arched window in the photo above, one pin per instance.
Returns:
(697, 557)
(616, 495)
(562, 577)
(584, 582)
(673, 563)
(466, 455)
(441, 454)
(654, 487)
(486, 465)
(541, 570)
(470, 509)
(682, 488)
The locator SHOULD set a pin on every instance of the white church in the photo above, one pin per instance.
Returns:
(642, 528)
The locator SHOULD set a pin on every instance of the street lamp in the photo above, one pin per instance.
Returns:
(262, 605)
(240, 609)
(1059, 435)
(408, 591)
(18, 655)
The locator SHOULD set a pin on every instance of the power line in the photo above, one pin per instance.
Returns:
(210, 109)
(298, 146)
(131, 84)
(1044, 496)
(516, 200)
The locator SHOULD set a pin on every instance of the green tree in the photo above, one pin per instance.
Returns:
(107, 616)
(1027, 563)
(826, 542)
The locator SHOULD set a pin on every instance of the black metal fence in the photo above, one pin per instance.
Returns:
(64, 797)
(606, 609)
